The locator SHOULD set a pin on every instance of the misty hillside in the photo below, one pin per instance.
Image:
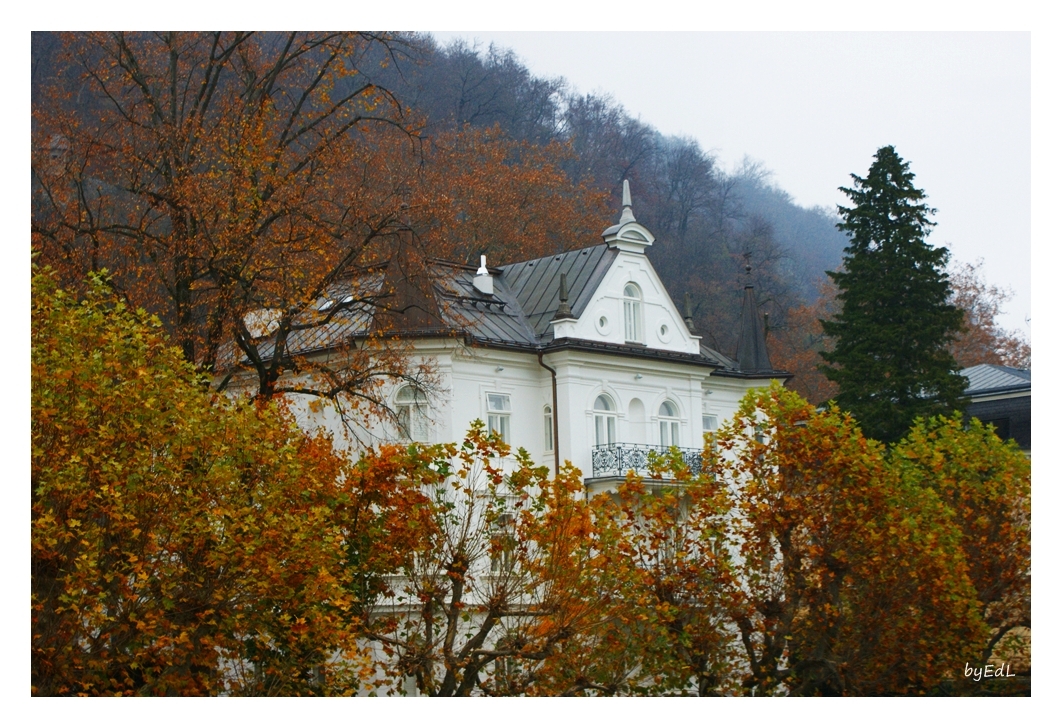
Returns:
(709, 222)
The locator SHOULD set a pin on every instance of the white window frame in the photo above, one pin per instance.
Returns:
(499, 415)
(709, 420)
(547, 424)
(411, 410)
(669, 424)
(504, 532)
(604, 420)
(632, 313)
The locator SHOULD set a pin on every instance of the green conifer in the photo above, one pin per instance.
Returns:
(890, 356)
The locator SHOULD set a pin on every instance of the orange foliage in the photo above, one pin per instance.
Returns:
(506, 571)
(181, 545)
(795, 347)
(852, 582)
(232, 183)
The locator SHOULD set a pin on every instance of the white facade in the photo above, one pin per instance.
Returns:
(628, 370)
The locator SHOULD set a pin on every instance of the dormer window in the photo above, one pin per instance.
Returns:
(632, 313)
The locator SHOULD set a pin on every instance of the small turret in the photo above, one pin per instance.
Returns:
(752, 343)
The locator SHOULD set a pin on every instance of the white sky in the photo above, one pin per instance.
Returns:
(815, 106)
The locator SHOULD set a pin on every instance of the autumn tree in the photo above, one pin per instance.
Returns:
(987, 485)
(849, 580)
(250, 188)
(983, 340)
(229, 181)
(797, 342)
(181, 544)
(510, 200)
(671, 633)
(504, 574)
(890, 356)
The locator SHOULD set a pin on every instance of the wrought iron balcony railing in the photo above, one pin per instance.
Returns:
(620, 458)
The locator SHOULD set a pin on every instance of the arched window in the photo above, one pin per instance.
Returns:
(669, 424)
(547, 424)
(632, 313)
(604, 421)
(411, 406)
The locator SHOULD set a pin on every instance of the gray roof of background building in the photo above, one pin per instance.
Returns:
(996, 379)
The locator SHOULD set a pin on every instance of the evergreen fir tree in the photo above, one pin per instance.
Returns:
(890, 356)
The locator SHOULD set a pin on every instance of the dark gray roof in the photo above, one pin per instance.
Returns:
(516, 315)
(995, 379)
(536, 283)
(498, 317)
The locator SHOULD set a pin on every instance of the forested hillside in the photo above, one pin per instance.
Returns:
(709, 222)
(462, 144)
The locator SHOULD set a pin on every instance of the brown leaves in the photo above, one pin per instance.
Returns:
(850, 578)
(180, 545)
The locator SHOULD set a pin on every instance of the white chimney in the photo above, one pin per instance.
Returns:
(483, 281)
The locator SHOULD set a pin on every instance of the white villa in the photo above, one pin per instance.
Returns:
(581, 356)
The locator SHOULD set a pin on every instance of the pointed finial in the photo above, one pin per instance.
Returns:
(563, 310)
(688, 317)
(628, 214)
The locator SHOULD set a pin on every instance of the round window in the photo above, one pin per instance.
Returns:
(602, 323)
(663, 332)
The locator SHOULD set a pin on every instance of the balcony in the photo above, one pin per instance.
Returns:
(617, 459)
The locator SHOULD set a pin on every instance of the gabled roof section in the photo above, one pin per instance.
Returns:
(493, 317)
(535, 284)
(995, 379)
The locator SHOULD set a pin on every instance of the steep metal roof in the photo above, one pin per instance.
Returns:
(535, 284)
(491, 317)
(995, 379)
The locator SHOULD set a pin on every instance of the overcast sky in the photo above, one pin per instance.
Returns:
(814, 107)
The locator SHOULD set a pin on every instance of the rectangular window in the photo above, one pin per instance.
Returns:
(498, 412)
(547, 422)
(709, 423)
(669, 433)
(604, 430)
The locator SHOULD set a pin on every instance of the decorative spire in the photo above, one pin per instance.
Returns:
(628, 214)
(563, 310)
(752, 344)
(688, 314)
